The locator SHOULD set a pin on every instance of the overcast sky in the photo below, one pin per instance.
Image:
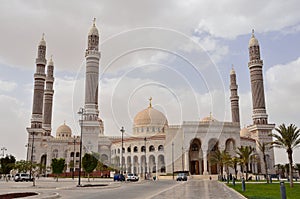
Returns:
(178, 52)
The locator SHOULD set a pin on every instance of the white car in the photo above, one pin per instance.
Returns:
(22, 177)
(132, 177)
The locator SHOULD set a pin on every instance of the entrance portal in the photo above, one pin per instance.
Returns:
(195, 167)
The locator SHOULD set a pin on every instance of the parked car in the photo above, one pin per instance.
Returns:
(132, 177)
(181, 177)
(119, 177)
(22, 177)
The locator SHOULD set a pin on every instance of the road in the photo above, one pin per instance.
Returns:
(161, 189)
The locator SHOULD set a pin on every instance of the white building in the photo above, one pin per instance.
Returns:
(155, 146)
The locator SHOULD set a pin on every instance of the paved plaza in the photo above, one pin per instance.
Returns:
(66, 188)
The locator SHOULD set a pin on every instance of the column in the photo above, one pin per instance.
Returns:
(205, 172)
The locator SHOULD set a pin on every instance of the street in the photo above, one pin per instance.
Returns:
(66, 188)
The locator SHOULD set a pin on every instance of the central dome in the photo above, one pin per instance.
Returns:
(149, 120)
(63, 131)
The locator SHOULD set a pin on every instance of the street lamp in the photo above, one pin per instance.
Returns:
(74, 141)
(81, 113)
(173, 159)
(3, 149)
(145, 139)
(122, 131)
(31, 157)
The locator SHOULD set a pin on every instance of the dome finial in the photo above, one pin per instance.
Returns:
(50, 62)
(150, 102)
(210, 115)
(252, 32)
(232, 70)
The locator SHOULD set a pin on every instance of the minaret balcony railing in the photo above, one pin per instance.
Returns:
(257, 61)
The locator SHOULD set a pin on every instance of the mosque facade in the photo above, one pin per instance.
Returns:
(155, 147)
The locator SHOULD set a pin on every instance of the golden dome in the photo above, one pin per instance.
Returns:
(63, 131)
(149, 121)
(151, 117)
(244, 132)
(253, 41)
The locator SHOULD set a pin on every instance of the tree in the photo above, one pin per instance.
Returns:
(287, 138)
(245, 153)
(234, 162)
(222, 159)
(57, 166)
(22, 166)
(263, 147)
(7, 164)
(89, 163)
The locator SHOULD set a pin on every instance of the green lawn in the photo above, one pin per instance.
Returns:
(267, 191)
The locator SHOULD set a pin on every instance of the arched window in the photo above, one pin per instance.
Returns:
(55, 153)
(151, 148)
(72, 154)
(77, 154)
(143, 149)
(135, 149)
(123, 151)
(129, 149)
(118, 151)
(160, 148)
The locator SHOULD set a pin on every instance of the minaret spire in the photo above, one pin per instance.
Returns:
(257, 85)
(48, 98)
(234, 98)
(39, 83)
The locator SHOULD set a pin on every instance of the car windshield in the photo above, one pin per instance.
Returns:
(130, 174)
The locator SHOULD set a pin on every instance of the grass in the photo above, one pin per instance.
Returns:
(267, 191)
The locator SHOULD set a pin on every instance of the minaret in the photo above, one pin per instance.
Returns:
(257, 85)
(234, 98)
(35, 131)
(260, 129)
(92, 125)
(92, 56)
(48, 98)
(39, 83)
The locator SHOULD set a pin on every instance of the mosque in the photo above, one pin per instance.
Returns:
(155, 145)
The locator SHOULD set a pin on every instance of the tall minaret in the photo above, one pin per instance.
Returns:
(255, 65)
(92, 56)
(260, 129)
(39, 83)
(234, 98)
(35, 131)
(92, 126)
(48, 98)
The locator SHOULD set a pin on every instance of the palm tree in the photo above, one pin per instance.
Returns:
(245, 153)
(287, 138)
(263, 147)
(234, 162)
(221, 158)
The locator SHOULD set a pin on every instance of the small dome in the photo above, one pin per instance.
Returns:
(63, 131)
(253, 41)
(94, 30)
(209, 118)
(244, 132)
(42, 42)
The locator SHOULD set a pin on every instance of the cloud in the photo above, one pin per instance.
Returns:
(6, 86)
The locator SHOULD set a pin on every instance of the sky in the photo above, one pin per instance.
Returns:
(178, 52)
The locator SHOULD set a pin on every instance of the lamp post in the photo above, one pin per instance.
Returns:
(74, 141)
(122, 131)
(173, 159)
(81, 113)
(31, 157)
(145, 139)
(3, 149)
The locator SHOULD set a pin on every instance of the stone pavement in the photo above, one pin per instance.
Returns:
(197, 189)
(49, 188)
